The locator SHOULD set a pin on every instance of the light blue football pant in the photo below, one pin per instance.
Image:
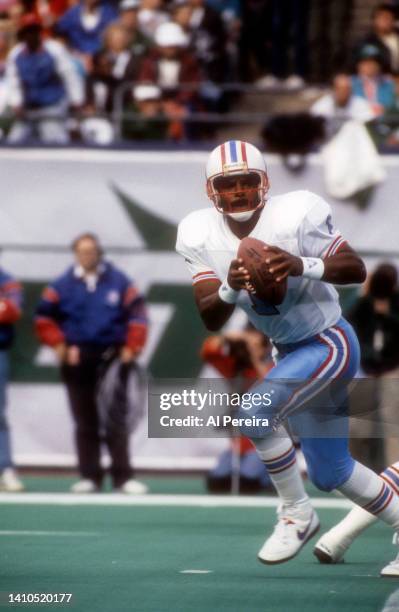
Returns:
(316, 409)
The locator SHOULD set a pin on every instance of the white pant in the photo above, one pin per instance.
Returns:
(49, 123)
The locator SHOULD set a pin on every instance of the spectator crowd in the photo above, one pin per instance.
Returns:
(67, 67)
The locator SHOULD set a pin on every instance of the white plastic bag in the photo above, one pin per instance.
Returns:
(351, 162)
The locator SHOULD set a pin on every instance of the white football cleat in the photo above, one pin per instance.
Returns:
(133, 487)
(85, 486)
(392, 569)
(331, 547)
(9, 481)
(290, 534)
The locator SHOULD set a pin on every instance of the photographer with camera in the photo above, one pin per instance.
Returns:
(243, 355)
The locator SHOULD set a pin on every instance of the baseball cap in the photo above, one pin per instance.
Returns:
(146, 92)
(29, 20)
(170, 35)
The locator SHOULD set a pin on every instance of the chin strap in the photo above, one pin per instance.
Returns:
(244, 215)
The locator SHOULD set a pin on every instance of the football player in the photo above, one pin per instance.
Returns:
(313, 342)
(332, 546)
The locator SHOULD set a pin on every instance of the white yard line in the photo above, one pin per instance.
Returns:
(196, 501)
(67, 534)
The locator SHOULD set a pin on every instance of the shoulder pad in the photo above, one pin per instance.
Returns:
(194, 229)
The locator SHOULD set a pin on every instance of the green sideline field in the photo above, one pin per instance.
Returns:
(136, 557)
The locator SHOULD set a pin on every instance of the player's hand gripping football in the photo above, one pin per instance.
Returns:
(282, 264)
(238, 277)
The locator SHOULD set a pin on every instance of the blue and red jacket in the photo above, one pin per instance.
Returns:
(113, 314)
(10, 308)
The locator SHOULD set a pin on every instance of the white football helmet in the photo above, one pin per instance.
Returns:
(236, 157)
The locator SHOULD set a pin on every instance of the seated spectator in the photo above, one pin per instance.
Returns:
(128, 18)
(171, 65)
(341, 104)
(384, 37)
(150, 16)
(83, 25)
(152, 123)
(113, 65)
(42, 81)
(370, 82)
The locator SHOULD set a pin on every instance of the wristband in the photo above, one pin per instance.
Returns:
(227, 294)
(313, 267)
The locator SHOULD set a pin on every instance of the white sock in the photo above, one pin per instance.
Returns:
(357, 520)
(278, 455)
(370, 491)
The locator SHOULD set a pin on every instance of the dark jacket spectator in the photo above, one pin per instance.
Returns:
(110, 313)
(92, 315)
(384, 37)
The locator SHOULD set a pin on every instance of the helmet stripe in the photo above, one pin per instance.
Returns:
(223, 153)
(243, 152)
(233, 150)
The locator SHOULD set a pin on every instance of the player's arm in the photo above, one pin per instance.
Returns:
(324, 254)
(343, 268)
(215, 300)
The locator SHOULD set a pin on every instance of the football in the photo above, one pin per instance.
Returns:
(254, 258)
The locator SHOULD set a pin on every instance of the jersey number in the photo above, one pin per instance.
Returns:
(262, 307)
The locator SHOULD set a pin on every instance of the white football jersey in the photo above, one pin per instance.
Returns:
(298, 222)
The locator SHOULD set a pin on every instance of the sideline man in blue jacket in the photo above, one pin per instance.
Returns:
(90, 315)
(10, 312)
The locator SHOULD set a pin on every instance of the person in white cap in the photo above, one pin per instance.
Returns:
(152, 123)
(175, 70)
